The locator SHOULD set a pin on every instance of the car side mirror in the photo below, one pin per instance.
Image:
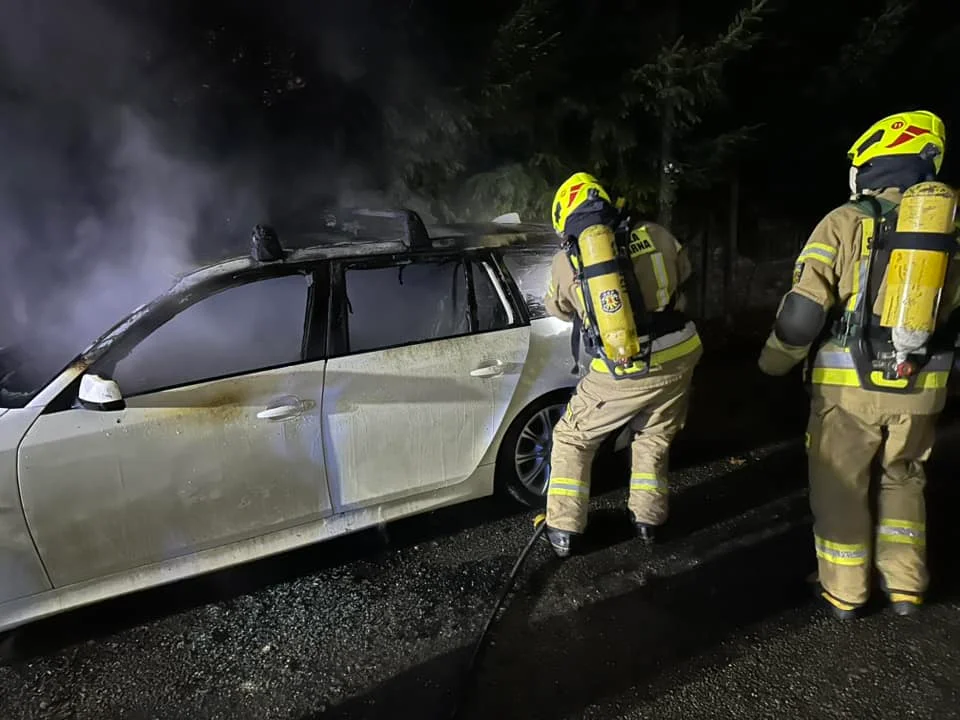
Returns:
(97, 393)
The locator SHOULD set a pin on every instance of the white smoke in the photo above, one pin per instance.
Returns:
(103, 197)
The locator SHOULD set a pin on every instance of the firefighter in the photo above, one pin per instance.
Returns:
(618, 280)
(873, 289)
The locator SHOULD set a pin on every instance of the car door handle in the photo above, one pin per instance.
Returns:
(488, 371)
(279, 412)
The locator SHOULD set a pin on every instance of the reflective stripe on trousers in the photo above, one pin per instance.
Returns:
(568, 487)
(903, 532)
(647, 482)
(846, 554)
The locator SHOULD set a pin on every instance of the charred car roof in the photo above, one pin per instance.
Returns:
(334, 242)
(338, 242)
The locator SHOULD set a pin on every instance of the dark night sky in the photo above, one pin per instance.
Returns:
(133, 128)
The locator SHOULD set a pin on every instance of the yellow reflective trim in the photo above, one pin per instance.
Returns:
(903, 597)
(642, 476)
(829, 249)
(867, 227)
(845, 377)
(570, 481)
(907, 524)
(806, 257)
(677, 351)
(564, 492)
(658, 358)
(663, 280)
(648, 487)
(901, 539)
(837, 603)
(845, 554)
(846, 562)
(841, 547)
(579, 291)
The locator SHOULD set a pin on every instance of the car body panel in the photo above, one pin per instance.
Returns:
(21, 572)
(19, 611)
(408, 420)
(105, 525)
(174, 472)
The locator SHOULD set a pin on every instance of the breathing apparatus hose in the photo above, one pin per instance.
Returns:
(540, 524)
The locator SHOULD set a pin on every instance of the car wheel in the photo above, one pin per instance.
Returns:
(523, 461)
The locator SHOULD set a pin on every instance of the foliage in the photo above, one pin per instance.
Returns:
(521, 105)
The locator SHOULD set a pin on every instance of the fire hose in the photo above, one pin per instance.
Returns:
(539, 524)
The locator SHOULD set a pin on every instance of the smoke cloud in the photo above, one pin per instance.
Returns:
(104, 195)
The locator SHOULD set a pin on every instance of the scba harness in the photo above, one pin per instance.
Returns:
(904, 250)
(617, 329)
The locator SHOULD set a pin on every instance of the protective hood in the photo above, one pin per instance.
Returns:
(595, 211)
(893, 171)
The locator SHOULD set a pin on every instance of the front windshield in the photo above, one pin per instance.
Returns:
(25, 370)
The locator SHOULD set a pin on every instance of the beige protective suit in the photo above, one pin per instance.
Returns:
(850, 425)
(655, 406)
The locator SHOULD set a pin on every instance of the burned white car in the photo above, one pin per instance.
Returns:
(260, 406)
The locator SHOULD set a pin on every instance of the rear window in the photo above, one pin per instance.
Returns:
(531, 272)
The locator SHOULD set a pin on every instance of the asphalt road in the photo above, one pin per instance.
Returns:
(718, 621)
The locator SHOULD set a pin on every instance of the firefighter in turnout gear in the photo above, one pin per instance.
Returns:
(618, 281)
(873, 289)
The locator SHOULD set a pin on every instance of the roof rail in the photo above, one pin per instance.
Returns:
(403, 224)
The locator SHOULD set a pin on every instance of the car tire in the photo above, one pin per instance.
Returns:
(523, 460)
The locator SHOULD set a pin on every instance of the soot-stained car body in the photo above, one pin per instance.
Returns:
(257, 407)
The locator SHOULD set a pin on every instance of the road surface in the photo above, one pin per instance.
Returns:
(716, 622)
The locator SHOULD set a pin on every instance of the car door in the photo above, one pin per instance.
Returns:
(219, 441)
(426, 355)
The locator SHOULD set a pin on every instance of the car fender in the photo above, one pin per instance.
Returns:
(21, 569)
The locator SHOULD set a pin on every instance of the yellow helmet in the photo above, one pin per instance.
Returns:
(574, 191)
(907, 133)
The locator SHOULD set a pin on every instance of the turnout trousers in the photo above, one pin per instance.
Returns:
(654, 407)
(842, 444)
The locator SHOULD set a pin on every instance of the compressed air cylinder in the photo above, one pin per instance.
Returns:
(915, 277)
(611, 305)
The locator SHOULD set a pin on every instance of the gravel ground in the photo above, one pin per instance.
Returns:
(717, 621)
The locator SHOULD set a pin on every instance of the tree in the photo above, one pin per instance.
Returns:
(677, 88)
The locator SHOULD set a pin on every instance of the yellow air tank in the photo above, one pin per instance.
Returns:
(611, 305)
(915, 276)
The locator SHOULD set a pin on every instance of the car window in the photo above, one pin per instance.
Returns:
(238, 330)
(405, 303)
(491, 313)
(531, 272)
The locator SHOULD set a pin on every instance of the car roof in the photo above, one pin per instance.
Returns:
(305, 247)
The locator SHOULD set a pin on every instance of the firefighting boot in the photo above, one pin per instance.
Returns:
(905, 605)
(560, 541)
(645, 531)
(839, 609)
